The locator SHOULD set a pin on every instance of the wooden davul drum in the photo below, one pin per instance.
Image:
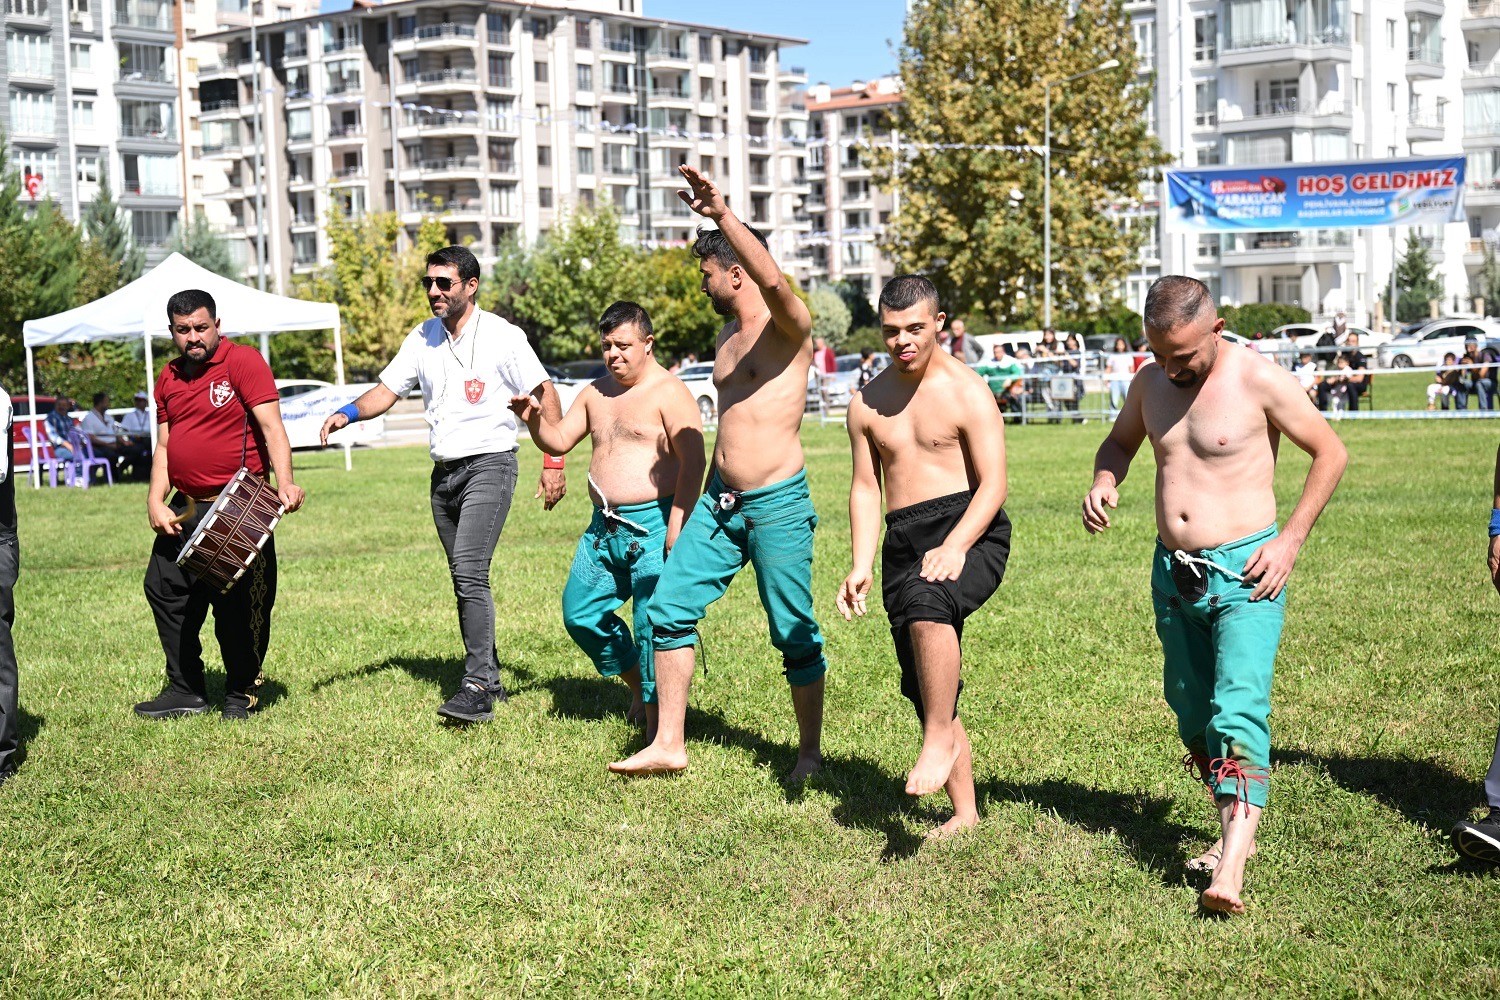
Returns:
(229, 538)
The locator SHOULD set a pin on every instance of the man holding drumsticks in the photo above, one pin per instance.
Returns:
(217, 409)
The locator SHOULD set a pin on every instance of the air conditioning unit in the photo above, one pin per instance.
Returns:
(82, 21)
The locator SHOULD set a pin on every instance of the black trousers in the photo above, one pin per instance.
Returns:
(242, 617)
(10, 565)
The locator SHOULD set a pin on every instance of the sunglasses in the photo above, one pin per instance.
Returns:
(443, 283)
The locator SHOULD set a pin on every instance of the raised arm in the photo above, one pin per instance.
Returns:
(789, 312)
(684, 427)
(984, 437)
(1112, 460)
(864, 514)
(268, 416)
(554, 435)
(1289, 410)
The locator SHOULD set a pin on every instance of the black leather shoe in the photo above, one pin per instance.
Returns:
(170, 704)
(470, 704)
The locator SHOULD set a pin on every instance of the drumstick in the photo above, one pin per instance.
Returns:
(187, 512)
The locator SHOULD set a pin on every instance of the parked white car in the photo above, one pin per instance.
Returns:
(1306, 335)
(1427, 345)
(699, 379)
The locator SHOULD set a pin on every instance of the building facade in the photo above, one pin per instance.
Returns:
(497, 117)
(92, 93)
(1307, 81)
(846, 212)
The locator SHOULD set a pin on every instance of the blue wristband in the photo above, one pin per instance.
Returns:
(1495, 522)
(350, 410)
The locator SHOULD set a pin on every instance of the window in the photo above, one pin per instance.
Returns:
(151, 175)
(153, 228)
(31, 113)
(544, 156)
(299, 124)
(1145, 43)
(1208, 153)
(585, 76)
(499, 70)
(539, 26)
(586, 118)
(539, 71)
(1390, 96)
(585, 160)
(1357, 22)
(705, 48)
(497, 26)
(81, 57)
(1286, 289)
(706, 91)
(1206, 108)
(1359, 93)
(758, 95)
(583, 33)
(1205, 37)
(29, 54)
(544, 197)
(39, 163)
(499, 112)
(83, 112)
(1390, 34)
(88, 168)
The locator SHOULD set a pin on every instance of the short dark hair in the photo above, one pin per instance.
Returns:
(906, 290)
(103, 397)
(1173, 300)
(865, 352)
(712, 244)
(460, 258)
(622, 312)
(189, 301)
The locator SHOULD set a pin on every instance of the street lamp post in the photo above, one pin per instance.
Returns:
(1047, 182)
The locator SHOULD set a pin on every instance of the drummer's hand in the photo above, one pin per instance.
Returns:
(551, 488)
(161, 517)
(333, 423)
(291, 496)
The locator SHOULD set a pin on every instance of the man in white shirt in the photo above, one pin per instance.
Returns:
(10, 743)
(469, 363)
(111, 441)
(137, 423)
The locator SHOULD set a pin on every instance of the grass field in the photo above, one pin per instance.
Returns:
(342, 842)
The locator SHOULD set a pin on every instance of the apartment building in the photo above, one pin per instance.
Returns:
(91, 90)
(845, 211)
(1306, 81)
(496, 117)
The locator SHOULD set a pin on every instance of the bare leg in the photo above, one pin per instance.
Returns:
(650, 711)
(637, 711)
(1223, 893)
(807, 702)
(1209, 859)
(667, 752)
(935, 649)
(960, 789)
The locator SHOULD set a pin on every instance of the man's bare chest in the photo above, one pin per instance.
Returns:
(626, 420)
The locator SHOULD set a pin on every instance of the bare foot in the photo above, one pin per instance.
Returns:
(956, 825)
(636, 713)
(1209, 859)
(807, 766)
(933, 766)
(1222, 899)
(651, 760)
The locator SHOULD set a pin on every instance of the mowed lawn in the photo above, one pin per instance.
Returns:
(343, 842)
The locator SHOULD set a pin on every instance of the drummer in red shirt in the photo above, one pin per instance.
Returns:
(217, 408)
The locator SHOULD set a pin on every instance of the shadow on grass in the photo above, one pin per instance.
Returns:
(867, 797)
(1140, 821)
(1419, 790)
(269, 693)
(445, 673)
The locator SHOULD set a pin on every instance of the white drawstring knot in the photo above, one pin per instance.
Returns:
(1188, 560)
(610, 514)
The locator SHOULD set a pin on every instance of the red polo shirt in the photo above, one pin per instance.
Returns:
(205, 414)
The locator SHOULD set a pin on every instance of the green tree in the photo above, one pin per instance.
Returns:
(1486, 283)
(1416, 285)
(105, 223)
(668, 286)
(200, 243)
(375, 286)
(508, 280)
(1262, 317)
(973, 74)
(576, 271)
(861, 313)
(830, 316)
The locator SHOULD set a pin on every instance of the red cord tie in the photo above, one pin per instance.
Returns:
(1229, 769)
(1197, 766)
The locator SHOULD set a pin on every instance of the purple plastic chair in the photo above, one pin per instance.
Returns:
(84, 461)
(43, 456)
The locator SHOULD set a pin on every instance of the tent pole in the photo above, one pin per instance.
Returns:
(36, 466)
(265, 347)
(150, 382)
(338, 351)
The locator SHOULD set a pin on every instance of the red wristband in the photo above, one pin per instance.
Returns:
(552, 462)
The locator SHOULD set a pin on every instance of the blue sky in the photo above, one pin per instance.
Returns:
(847, 39)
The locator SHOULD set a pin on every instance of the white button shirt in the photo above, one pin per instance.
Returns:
(467, 383)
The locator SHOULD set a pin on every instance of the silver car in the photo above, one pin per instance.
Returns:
(1426, 346)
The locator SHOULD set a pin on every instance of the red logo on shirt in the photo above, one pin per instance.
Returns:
(473, 390)
(220, 392)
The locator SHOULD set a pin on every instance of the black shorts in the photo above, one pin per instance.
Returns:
(910, 533)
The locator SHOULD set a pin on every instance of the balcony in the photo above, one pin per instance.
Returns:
(1482, 194)
(437, 37)
(1482, 15)
(673, 55)
(30, 12)
(503, 167)
(618, 48)
(1481, 134)
(1425, 126)
(298, 94)
(349, 175)
(759, 66)
(149, 132)
(1431, 8)
(670, 96)
(346, 133)
(341, 43)
(448, 167)
(1482, 76)
(1425, 62)
(1331, 112)
(438, 125)
(136, 188)
(793, 74)
(153, 17)
(440, 81)
(1295, 45)
(34, 75)
(153, 81)
(292, 53)
(303, 221)
(1474, 251)
(618, 92)
(217, 110)
(1327, 246)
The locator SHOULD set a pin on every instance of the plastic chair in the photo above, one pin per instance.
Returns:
(84, 461)
(43, 455)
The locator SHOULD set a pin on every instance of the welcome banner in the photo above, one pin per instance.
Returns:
(1324, 196)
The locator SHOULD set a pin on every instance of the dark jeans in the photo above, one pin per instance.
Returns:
(10, 567)
(1492, 779)
(242, 617)
(1485, 387)
(470, 499)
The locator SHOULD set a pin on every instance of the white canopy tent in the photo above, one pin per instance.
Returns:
(139, 310)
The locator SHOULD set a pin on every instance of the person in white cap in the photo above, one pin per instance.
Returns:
(137, 422)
